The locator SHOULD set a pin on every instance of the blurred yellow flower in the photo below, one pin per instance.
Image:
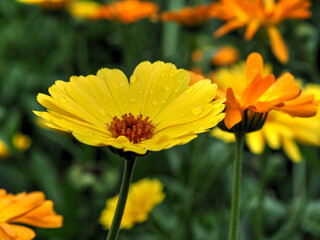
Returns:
(143, 196)
(48, 4)
(27, 209)
(84, 9)
(4, 150)
(261, 13)
(128, 11)
(225, 55)
(282, 130)
(156, 110)
(21, 142)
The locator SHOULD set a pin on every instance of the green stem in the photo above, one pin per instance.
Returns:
(124, 189)
(235, 210)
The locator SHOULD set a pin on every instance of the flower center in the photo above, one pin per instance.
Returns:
(136, 129)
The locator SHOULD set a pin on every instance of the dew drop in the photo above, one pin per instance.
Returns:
(162, 74)
(133, 79)
(201, 128)
(121, 84)
(197, 110)
(102, 112)
(126, 105)
(189, 90)
(171, 74)
(176, 90)
(155, 102)
(167, 88)
(62, 99)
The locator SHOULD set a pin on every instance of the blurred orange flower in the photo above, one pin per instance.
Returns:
(189, 16)
(48, 4)
(253, 95)
(128, 11)
(261, 13)
(31, 209)
(226, 55)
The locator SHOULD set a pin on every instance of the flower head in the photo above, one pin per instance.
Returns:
(128, 11)
(189, 16)
(143, 197)
(48, 4)
(25, 208)
(84, 9)
(226, 55)
(21, 141)
(261, 13)
(251, 94)
(4, 150)
(156, 110)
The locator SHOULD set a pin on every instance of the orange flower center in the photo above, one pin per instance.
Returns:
(136, 129)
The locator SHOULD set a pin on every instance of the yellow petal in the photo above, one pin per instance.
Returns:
(255, 142)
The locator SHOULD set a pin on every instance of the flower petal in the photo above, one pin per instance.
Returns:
(254, 66)
(278, 45)
(255, 142)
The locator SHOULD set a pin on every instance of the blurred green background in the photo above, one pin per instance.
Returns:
(38, 47)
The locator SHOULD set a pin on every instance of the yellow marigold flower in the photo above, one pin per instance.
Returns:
(25, 208)
(226, 55)
(156, 110)
(4, 150)
(261, 13)
(128, 11)
(143, 197)
(48, 4)
(21, 142)
(189, 16)
(84, 9)
(282, 130)
(251, 95)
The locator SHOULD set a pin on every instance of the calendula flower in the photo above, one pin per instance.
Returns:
(128, 11)
(189, 16)
(48, 4)
(143, 196)
(156, 110)
(21, 141)
(4, 150)
(84, 9)
(261, 13)
(225, 55)
(27, 209)
(251, 96)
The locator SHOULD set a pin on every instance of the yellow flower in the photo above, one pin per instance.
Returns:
(261, 13)
(21, 142)
(143, 197)
(156, 110)
(282, 130)
(84, 9)
(25, 208)
(4, 150)
(48, 4)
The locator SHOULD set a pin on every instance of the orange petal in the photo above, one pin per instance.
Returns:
(194, 77)
(234, 24)
(278, 45)
(256, 88)
(23, 233)
(233, 110)
(252, 28)
(254, 66)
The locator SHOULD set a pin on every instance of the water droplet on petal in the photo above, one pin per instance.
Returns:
(197, 110)
(102, 112)
(171, 74)
(133, 79)
(167, 88)
(126, 105)
(62, 99)
(201, 128)
(176, 90)
(155, 102)
(162, 74)
(121, 84)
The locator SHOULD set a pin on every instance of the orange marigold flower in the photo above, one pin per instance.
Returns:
(226, 55)
(261, 13)
(25, 208)
(128, 11)
(189, 16)
(252, 96)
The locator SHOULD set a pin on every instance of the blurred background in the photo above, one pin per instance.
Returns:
(280, 198)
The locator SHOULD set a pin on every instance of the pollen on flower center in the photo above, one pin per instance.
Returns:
(136, 129)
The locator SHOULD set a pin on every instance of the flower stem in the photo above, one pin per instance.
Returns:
(124, 189)
(235, 210)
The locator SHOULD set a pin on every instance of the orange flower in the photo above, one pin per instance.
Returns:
(252, 96)
(128, 11)
(31, 209)
(257, 13)
(226, 55)
(189, 16)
